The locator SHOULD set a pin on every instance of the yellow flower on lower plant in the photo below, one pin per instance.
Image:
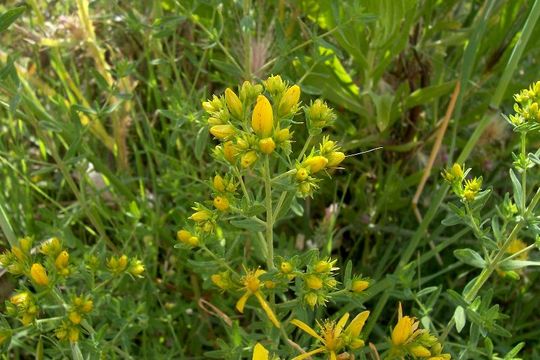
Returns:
(260, 353)
(518, 246)
(39, 274)
(252, 286)
(405, 330)
(334, 337)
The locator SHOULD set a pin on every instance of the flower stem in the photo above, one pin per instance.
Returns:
(269, 215)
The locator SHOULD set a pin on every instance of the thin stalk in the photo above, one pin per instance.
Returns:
(523, 139)
(269, 214)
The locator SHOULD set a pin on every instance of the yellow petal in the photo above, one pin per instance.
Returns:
(333, 355)
(357, 324)
(308, 354)
(267, 309)
(259, 352)
(341, 324)
(241, 303)
(262, 119)
(306, 328)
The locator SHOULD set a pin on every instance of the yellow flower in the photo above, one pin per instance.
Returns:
(136, 268)
(262, 119)
(221, 203)
(283, 135)
(233, 103)
(286, 267)
(68, 331)
(260, 353)
(323, 266)
(516, 246)
(289, 100)
(51, 247)
(335, 158)
(419, 351)
(219, 185)
(252, 286)
(267, 145)
(248, 159)
(183, 235)
(314, 282)
(333, 337)
(222, 131)
(454, 174)
(61, 263)
(359, 285)
(405, 330)
(311, 299)
(316, 163)
(229, 151)
(200, 216)
(39, 274)
(302, 174)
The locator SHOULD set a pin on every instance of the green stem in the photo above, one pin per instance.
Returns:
(218, 259)
(269, 214)
(524, 170)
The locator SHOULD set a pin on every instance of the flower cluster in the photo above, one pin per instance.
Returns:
(466, 189)
(527, 109)
(408, 339)
(333, 336)
(45, 293)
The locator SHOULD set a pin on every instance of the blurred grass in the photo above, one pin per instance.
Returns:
(101, 140)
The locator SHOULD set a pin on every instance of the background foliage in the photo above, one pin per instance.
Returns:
(101, 144)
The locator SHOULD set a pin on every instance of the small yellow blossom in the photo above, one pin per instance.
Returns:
(248, 159)
(61, 263)
(39, 274)
(218, 183)
(334, 337)
(316, 163)
(260, 353)
(221, 203)
(359, 285)
(252, 286)
(222, 132)
(229, 151)
(289, 100)
(314, 282)
(335, 158)
(233, 103)
(262, 120)
(267, 145)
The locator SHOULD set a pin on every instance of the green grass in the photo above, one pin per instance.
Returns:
(125, 183)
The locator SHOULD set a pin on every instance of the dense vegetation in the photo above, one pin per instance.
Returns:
(109, 150)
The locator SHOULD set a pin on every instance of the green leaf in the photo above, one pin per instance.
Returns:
(518, 191)
(426, 95)
(460, 318)
(10, 16)
(249, 224)
(470, 257)
(517, 264)
(200, 142)
(512, 353)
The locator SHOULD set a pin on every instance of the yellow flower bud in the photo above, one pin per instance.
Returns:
(222, 131)
(314, 282)
(87, 306)
(221, 203)
(286, 267)
(193, 241)
(305, 188)
(62, 261)
(469, 195)
(262, 119)
(19, 254)
(39, 274)
(316, 163)
(267, 145)
(20, 298)
(229, 151)
(214, 121)
(26, 244)
(359, 285)
(122, 262)
(323, 266)
(51, 247)
(183, 236)
(302, 174)
(219, 185)
(200, 216)
(274, 85)
(289, 100)
(248, 159)
(73, 334)
(219, 281)
(75, 317)
(420, 351)
(331, 283)
(136, 268)
(457, 171)
(282, 135)
(269, 284)
(311, 299)
(335, 158)
(233, 103)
